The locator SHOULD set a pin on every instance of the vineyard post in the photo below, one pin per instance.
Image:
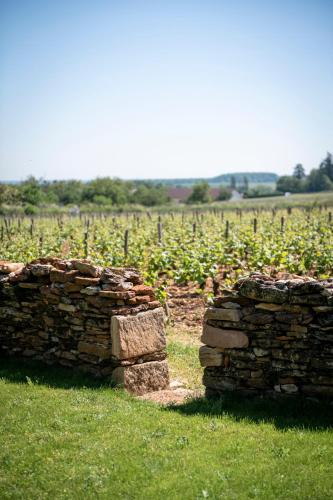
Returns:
(194, 228)
(255, 223)
(329, 217)
(1, 233)
(7, 228)
(85, 244)
(159, 232)
(31, 227)
(282, 224)
(40, 244)
(226, 229)
(289, 210)
(126, 243)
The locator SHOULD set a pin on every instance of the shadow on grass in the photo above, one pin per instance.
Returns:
(283, 414)
(29, 371)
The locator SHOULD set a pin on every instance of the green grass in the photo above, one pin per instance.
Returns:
(184, 364)
(64, 436)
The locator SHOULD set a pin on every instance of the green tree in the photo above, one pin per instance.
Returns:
(224, 194)
(318, 181)
(64, 192)
(299, 171)
(116, 190)
(290, 184)
(200, 193)
(150, 195)
(9, 194)
(326, 166)
(233, 182)
(31, 191)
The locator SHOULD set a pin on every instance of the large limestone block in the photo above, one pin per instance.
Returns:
(142, 378)
(222, 314)
(228, 339)
(7, 267)
(134, 336)
(208, 356)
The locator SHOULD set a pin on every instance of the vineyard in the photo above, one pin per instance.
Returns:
(182, 247)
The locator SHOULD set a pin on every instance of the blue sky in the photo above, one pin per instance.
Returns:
(164, 88)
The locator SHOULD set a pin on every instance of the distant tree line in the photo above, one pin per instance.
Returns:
(105, 192)
(101, 191)
(319, 179)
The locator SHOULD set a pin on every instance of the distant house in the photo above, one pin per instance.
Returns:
(180, 194)
(236, 195)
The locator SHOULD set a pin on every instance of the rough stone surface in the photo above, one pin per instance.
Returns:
(266, 306)
(85, 267)
(142, 378)
(7, 267)
(218, 337)
(288, 325)
(54, 311)
(222, 314)
(134, 336)
(209, 356)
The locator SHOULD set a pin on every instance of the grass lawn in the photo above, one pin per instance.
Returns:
(64, 436)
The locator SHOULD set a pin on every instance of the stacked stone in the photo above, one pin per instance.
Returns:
(270, 337)
(73, 313)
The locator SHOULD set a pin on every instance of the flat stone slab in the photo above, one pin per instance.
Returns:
(228, 339)
(208, 356)
(7, 267)
(217, 313)
(142, 378)
(133, 336)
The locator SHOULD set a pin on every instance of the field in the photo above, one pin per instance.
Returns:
(187, 246)
(64, 436)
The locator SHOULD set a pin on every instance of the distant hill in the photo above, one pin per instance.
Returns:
(253, 178)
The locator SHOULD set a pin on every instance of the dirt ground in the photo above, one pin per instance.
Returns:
(185, 307)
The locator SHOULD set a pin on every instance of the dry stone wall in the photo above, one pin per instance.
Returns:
(270, 337)
(102, 321)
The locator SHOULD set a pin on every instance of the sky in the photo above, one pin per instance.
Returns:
(161, 89)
